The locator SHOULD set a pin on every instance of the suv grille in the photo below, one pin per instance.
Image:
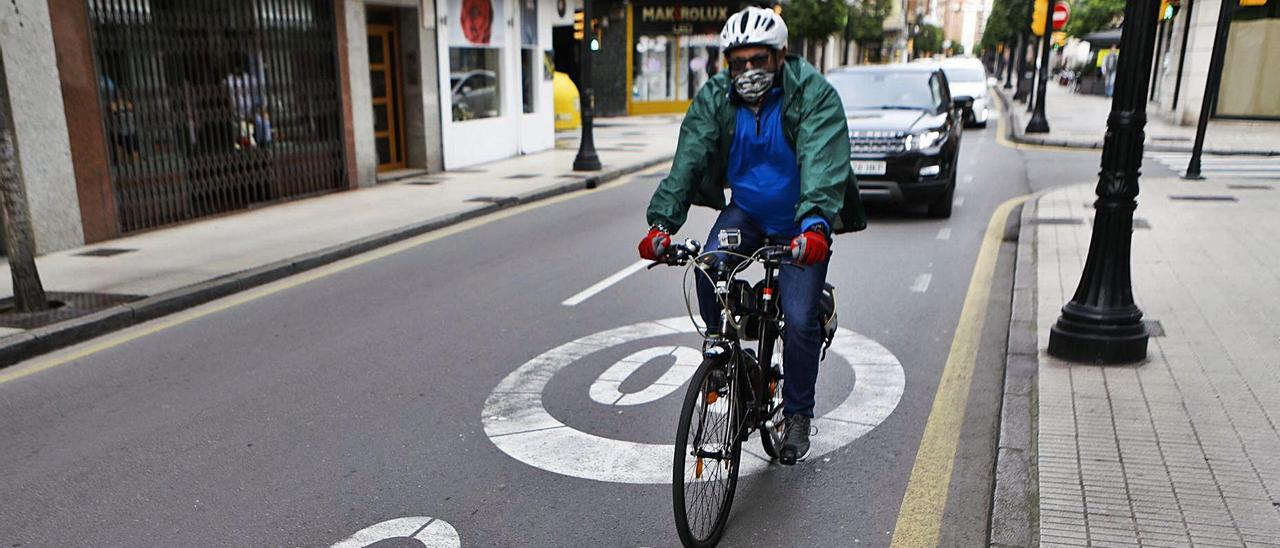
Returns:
(862, 142)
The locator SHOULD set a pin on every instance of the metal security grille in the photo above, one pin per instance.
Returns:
(216, 105)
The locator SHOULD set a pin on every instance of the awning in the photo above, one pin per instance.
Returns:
(1103, 38)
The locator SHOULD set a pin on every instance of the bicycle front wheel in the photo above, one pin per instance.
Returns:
(705, 467)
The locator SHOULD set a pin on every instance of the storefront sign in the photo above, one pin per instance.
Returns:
(476, 23)
(681, 19)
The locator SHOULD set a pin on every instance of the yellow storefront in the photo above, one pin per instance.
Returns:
(673, 50)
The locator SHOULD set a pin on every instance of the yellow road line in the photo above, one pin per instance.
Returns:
(83, 350)
(920, 516)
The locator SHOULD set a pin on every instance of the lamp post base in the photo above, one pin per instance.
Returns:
(1098, 343)
(1037, 124)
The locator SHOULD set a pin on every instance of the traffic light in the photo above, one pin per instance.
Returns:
(577, 25)
(1038, 20)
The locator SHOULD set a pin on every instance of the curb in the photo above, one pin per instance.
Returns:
(28, 344)
(1015, 496)
(1016, 135)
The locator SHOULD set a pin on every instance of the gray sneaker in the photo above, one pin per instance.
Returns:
(795, 439)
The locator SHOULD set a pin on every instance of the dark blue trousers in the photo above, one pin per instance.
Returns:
(798, 292)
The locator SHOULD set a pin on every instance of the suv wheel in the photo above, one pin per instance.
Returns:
(941, 208)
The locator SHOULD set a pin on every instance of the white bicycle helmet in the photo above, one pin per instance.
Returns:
(754, 27)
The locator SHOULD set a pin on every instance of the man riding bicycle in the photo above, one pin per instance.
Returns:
(773, 131)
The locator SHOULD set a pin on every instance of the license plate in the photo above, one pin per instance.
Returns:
(868, 168)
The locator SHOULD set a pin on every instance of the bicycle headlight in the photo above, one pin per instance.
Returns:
(923, 140)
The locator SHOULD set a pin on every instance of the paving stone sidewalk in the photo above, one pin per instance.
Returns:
(1183, 449)
(1078, 120)
(186, 264)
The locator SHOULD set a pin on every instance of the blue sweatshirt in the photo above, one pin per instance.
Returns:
(763, 172)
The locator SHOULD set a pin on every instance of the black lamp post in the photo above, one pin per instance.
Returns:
(1038, 123)
(1211, 85)
(587, 159)
(1102, 324)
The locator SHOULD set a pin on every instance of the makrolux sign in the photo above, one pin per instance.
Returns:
(682, 18)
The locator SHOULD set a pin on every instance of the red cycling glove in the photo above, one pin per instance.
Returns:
(654, 244)
(809, 248)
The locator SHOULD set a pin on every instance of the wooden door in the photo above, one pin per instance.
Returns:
(384, 83)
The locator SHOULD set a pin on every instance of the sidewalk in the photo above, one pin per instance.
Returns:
(1183, 449)
(169, 269)
(1077, 120)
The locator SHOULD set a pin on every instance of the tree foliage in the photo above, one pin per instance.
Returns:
(927, 40)
(866, 21)
(1094, 15)
(816, 20)
(1007, 20)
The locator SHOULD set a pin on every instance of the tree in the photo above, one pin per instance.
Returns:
(1094, 15)
(928, 40)
(866, 23)
(816, 20)
(28, 292)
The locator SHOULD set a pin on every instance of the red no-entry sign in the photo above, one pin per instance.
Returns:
(1061, 11)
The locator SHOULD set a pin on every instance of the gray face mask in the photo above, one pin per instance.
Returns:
(753, 84)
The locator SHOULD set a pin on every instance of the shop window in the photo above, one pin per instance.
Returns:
(1249, 78)
(672, 67)
(475, 83)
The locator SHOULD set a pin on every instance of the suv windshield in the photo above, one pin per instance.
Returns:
(964, 74)
(884, 90)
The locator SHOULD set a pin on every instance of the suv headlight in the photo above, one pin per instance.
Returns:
(923, 140)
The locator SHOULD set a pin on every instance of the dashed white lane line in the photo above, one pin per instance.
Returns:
(944, 234)
(605, 283)
(922, 283)
(958, 202)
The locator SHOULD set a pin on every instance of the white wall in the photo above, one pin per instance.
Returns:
(40, 124)
(512, 133)
(361, 94)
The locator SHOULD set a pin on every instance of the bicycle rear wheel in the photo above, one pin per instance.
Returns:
(705, 465)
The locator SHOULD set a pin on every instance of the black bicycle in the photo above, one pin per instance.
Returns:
(735, 391)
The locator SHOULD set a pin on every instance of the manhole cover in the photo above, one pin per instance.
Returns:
(1056, 221)
(104, 252)
(66, 306)
(1204, 198)
(500, 200)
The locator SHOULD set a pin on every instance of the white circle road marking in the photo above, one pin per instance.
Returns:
(520, 426)
(605, 389)
(430, 532)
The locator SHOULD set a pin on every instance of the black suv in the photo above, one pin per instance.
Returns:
(904, 132)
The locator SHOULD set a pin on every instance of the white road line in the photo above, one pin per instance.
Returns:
(959, 201)
(922, 283)
(605, 283)
(967, 178)
(944, 234)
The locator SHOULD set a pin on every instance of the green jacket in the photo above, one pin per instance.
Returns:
(814, 122)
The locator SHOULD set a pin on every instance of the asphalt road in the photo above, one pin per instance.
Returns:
(328, 405)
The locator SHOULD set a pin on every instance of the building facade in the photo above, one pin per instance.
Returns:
(138, 114)
(1249, 79)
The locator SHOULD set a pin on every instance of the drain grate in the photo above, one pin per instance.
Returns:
(1154, 329)
(105, 252)
(500, 200)
(1056, 221)
(424, 182)
(66, 306)
(520, 176)
(1250, 187)
(1203, 198)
